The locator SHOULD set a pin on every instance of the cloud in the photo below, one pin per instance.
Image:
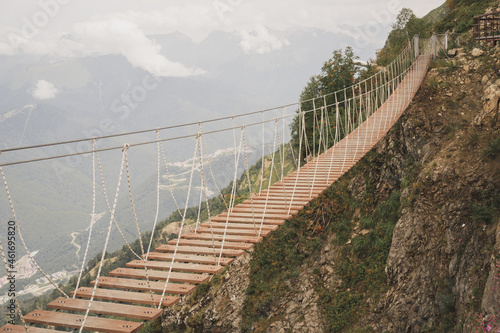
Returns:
(6, 49)
(45, 90)
(261, 41)
(97, 37)
(119, 36)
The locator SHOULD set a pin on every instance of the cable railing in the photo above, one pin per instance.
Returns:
(352, 108)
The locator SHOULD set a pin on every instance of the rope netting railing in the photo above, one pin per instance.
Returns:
(282, 152)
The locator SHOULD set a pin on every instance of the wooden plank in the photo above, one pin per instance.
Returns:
(199, 250)
(305, 182)
(276, 214)
(262, 199)
(160, 275)
(325, 177)
(256, 215)
(317, 183)
(299, 188)
(229, 238)
(260, 204)
(179, 257)
(304, 179)
(105, 308)
(288, 195)
(281, 197)
(234, 225)
(195, 268)
(288, 191)
(143, 285)
(259, 210)
(229, 231)
(209, 243)
(247, 220)
(126, 296)
(75, 321)
(9, 328)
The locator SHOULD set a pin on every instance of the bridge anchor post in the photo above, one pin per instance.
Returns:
(434, 46)
(416, 43)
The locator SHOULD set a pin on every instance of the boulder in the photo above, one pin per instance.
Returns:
(477, 52)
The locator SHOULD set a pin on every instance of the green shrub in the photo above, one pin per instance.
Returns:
(481, 213)
(493, 150)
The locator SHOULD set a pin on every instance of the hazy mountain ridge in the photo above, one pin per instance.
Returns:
(107, 95)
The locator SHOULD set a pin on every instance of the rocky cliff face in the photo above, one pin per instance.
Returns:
(439, 170)
(442, 264)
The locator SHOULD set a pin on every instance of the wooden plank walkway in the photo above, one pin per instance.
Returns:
(197, 256)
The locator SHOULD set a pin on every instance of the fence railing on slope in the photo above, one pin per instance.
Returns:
(486, 27)
(438, 43)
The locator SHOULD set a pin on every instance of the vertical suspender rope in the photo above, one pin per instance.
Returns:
(182, 223)
(283, 142)
(232, 199)
(372, 109)
(280, 150)
(132, 203)
(367, 116)
(396, 92)
(327, 126)
(263, 153)
(110, 226)
(335, 140)
(167, 172)
(357, 129)
(204, 142)
(346, 127)
(292, 153)
(386, 95)
(321, 130)
(158, 177)
(314, 128)
(389, 94)
(197, 224)
(317, 158)
(394, 87)
(16, 221)
(204, 188)
(301, 132)
(234, 147)
(390, 98)
(375, 107)
(301, 114)
(306, 145)
(271, 176)
(109, 208)
(249, 180)
(91, 226)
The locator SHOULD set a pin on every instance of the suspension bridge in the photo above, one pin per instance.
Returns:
(363, 113)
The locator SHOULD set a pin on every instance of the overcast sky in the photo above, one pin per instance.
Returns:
(77, 27)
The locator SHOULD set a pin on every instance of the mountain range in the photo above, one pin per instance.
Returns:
(50, 98)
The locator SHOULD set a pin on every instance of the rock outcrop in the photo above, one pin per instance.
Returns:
(442, 268)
